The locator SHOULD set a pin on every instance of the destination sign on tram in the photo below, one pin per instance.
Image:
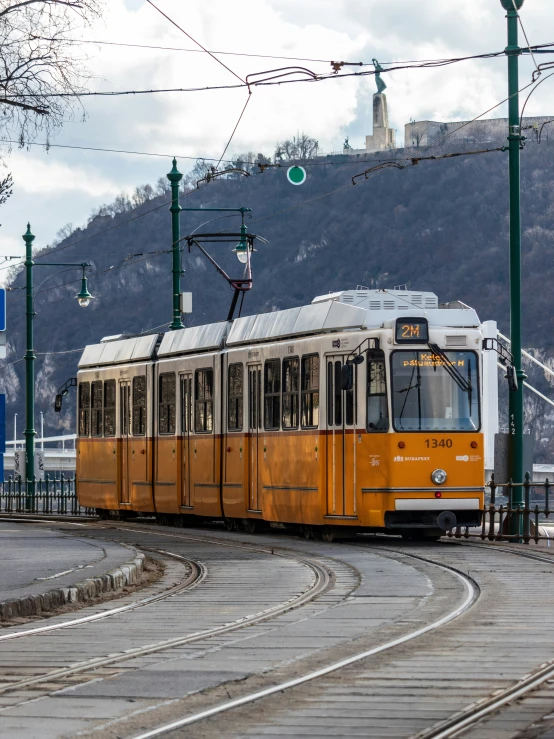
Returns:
(412, 331)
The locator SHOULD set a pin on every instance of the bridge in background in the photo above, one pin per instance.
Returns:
(56, 458)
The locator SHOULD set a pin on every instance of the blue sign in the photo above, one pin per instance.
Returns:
(2, 310)
(2, 423)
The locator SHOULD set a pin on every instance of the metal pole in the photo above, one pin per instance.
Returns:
(29, 432)
(15, 431)
(515, 140)
(175, 177)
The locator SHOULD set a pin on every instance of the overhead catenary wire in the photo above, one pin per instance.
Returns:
(412, 159)
(264, 82)
(537, 48)
(548, 76)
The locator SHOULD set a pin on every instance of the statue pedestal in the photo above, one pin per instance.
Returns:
(383, 137)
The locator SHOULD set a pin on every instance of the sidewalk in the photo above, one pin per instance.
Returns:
(43, 569)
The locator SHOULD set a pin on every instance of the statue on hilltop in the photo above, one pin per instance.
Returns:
(381, 87)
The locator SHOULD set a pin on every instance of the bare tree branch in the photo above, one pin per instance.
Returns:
(5, 188)
(84, 6)
(33, 108)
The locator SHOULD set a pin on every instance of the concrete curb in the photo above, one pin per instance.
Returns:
(35, 605)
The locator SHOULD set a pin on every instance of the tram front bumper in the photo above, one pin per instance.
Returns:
(439, 513)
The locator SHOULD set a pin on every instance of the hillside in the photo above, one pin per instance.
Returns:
(440, 226)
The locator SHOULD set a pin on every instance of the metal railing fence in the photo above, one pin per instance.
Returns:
(501, 520)
(505, 521)
(51, 496)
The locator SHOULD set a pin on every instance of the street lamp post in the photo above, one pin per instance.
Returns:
(515, 140)
(175, 178)
(83, 298)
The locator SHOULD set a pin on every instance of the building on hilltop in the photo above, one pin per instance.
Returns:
(425, 133)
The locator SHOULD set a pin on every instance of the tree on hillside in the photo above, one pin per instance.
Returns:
(39, 57)
(300, 146)
(247, 162)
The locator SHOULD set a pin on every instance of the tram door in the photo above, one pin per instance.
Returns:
(254, 429)
(186, 421)
(341, 442)
(125, 451)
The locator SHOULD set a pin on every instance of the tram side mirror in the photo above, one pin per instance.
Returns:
(58, 403)
(347, 377)
(358, 359)
(512, 378)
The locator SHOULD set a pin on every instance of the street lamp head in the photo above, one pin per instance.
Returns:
(511, 4)
(242, 248)
(84, 297)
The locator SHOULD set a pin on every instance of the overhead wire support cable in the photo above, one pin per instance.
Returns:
(235, 129)
(526, 39)
(194, 40)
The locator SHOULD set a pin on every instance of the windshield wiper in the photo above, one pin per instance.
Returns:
(453, 371)
(407, 391)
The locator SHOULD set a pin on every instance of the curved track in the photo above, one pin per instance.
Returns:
(472, 592)
(408, 657)
(320, 576)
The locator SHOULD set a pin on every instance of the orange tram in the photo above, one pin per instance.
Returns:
(358, 412)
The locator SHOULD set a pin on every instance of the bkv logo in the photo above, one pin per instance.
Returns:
(336, 344)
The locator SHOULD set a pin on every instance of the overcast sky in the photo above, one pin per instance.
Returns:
(62, 186)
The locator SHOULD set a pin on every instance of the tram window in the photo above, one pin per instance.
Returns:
(350, 401)
(109, 408)
(139, 405)
(166, 410)
(84, 408)
(204, 404)
(377, 406)
(310, 391)
(337, 386)
(291, 387)
(272, 394)
(254, 398)
(235, 397)
(96, 408)
(186, 403)
(428, 397)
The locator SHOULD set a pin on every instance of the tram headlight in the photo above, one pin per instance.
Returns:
(439, 476)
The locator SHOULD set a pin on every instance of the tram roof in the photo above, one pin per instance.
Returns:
(349, 310)
(114, 352)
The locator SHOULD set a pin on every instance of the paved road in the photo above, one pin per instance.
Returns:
(36, 558)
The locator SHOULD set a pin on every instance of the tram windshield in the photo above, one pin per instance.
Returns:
(427, 397)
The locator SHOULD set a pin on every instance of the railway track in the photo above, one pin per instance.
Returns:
(454, 726)
(321, 579)
(283, 700)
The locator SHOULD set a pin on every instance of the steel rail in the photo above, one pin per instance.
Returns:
(197, 574)
(508, 550)
(322, 582)
(464, 720)
(472, 593)
(448, 729)
(473, 714)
